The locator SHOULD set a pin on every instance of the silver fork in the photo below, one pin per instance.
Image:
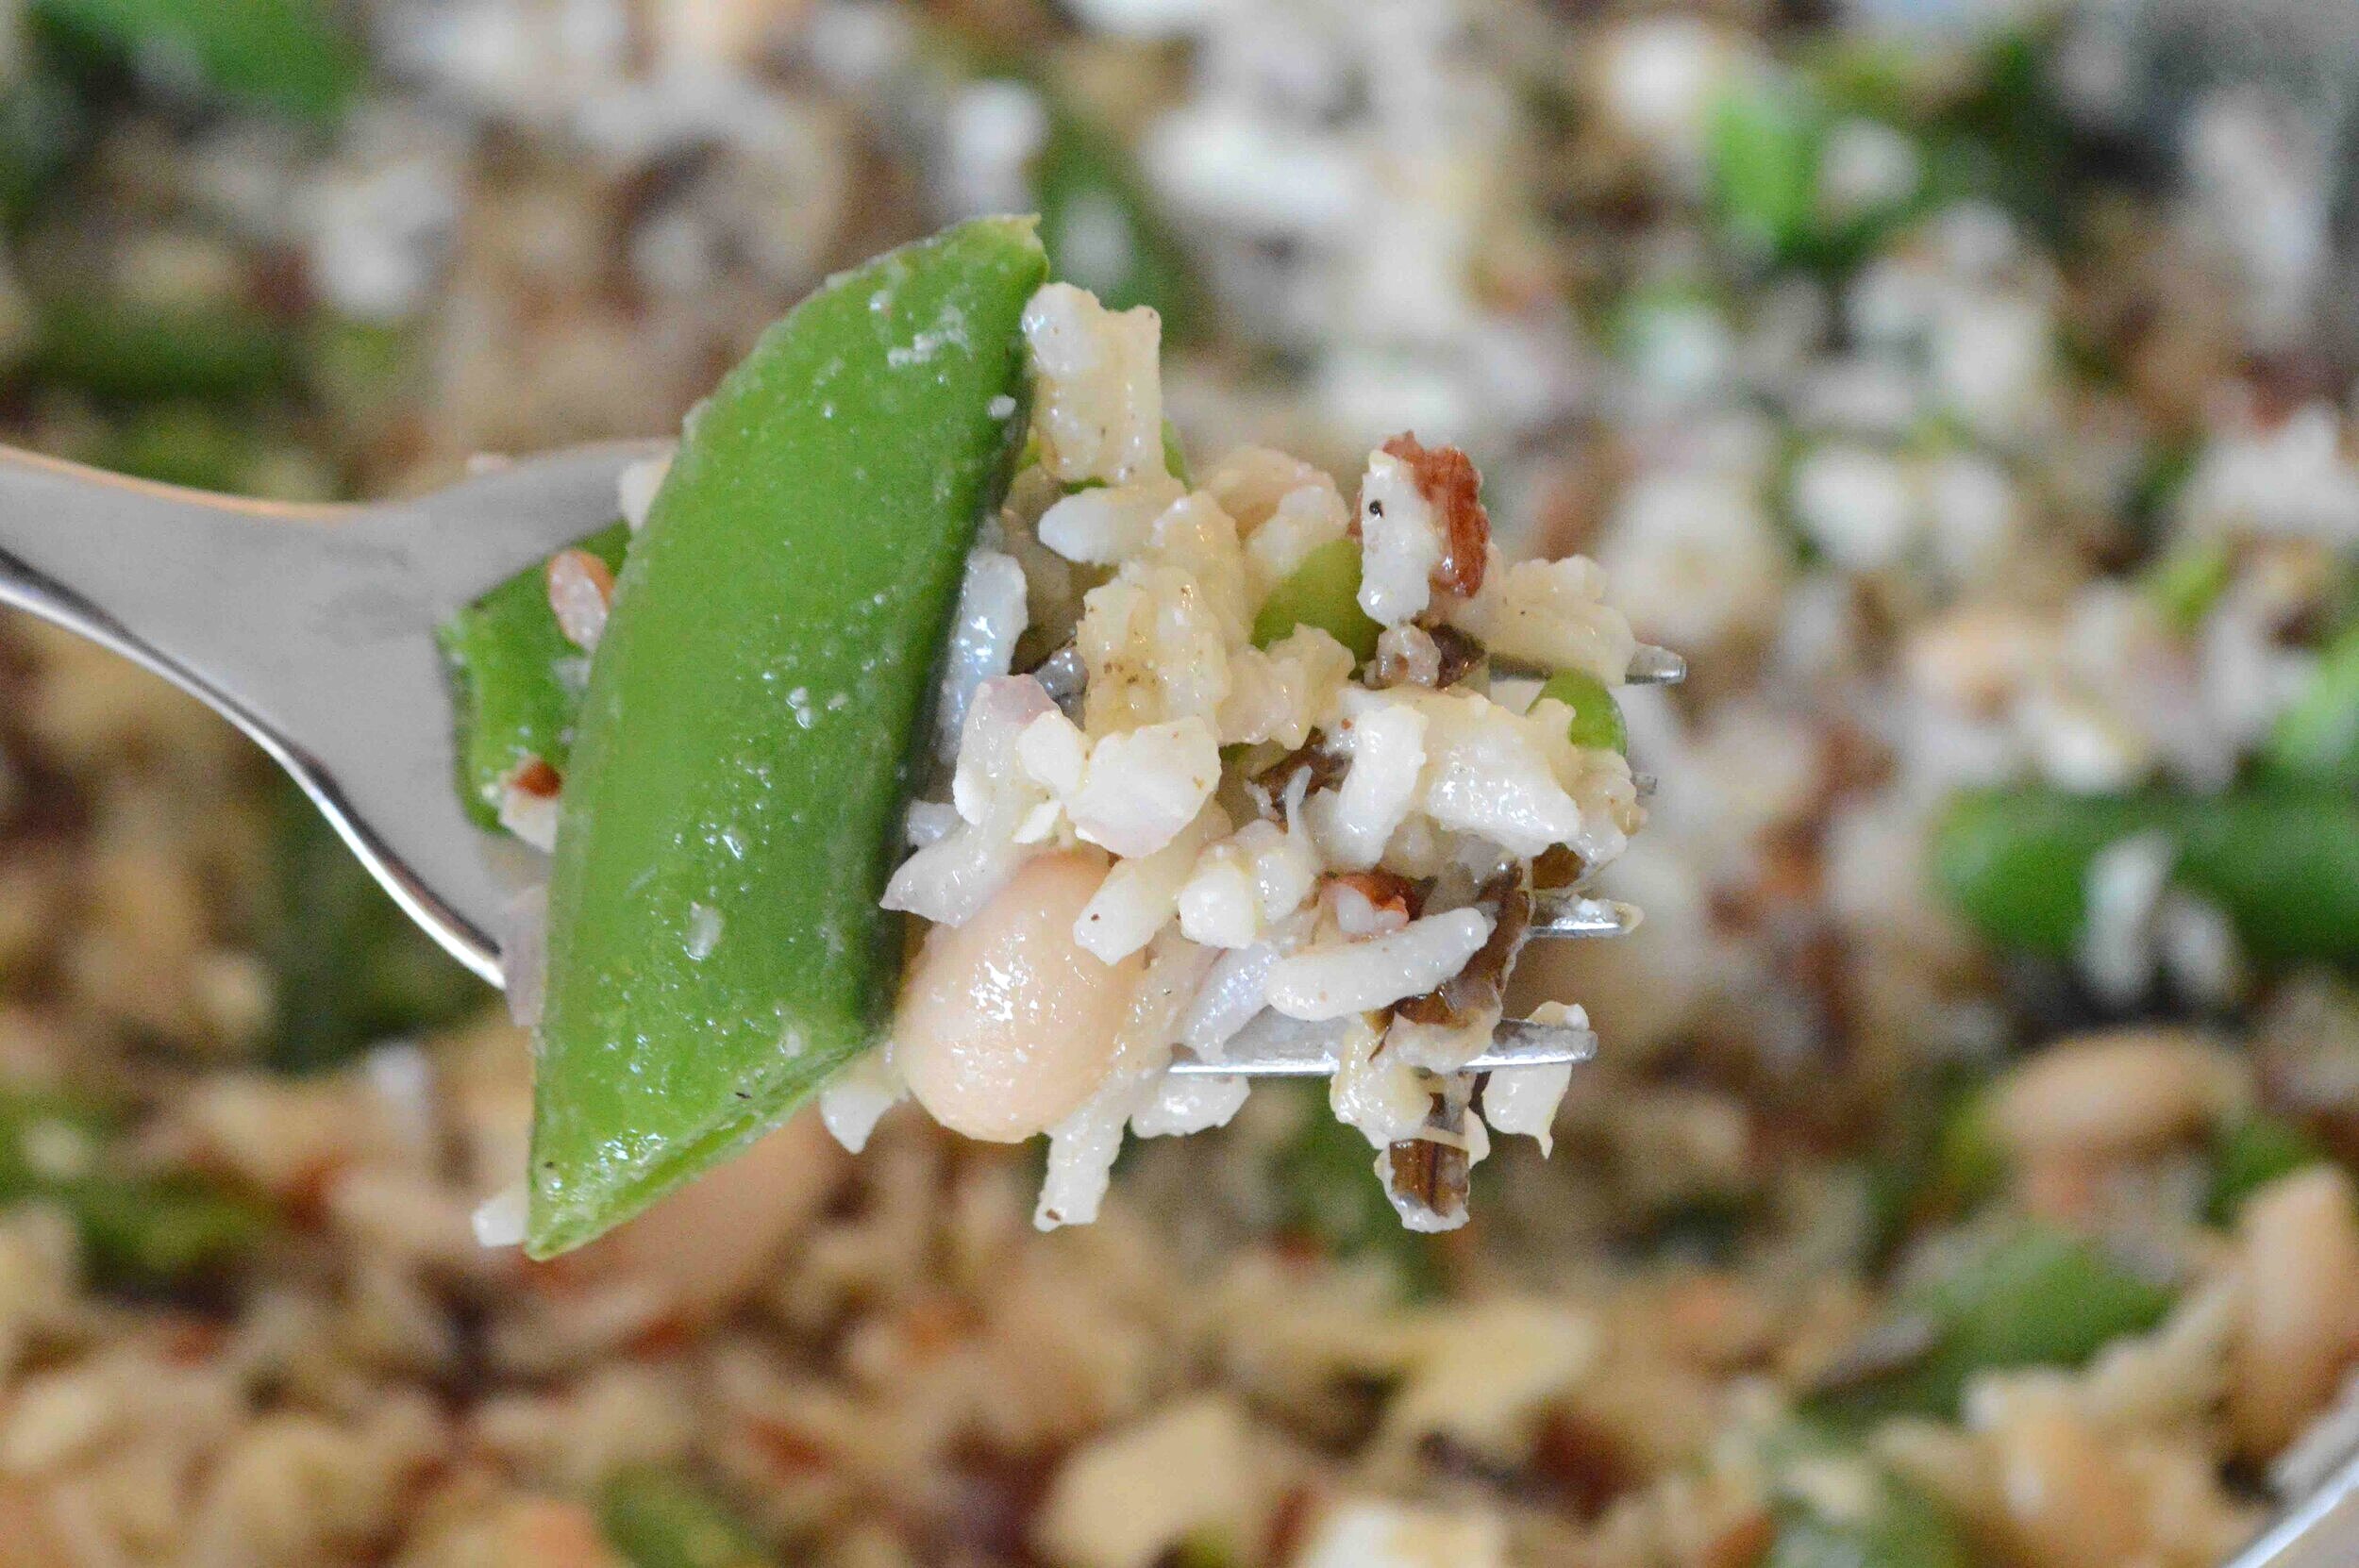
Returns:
(312, 628)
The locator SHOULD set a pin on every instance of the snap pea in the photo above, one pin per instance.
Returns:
(283, 55)
(2249, 1153)
(2030, 1295)
(2282, 862)
(1762, 155)
(348, 968)
(1597, 717)
(743, 757)
(118, 349)
(1323, 592)
(657, 1518)
(519, 679)
(2316, 739)
(1883, 1522)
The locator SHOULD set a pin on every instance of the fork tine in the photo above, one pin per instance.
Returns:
(1648, 666)
(1516, 1042)
(1654, 666)
(1562, 913)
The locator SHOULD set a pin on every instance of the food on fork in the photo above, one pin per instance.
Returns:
(925, 618)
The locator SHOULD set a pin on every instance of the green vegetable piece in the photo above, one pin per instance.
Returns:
(350, 970)
(1325, 1177)
(520, 679)
(2316, 739)
(184, 444)
(287, 56)
(1323, 592)
(742, 761)
(2189, 581)
(1597, 717)
(1762, 154)
(2029, 1297)
(116, 349)
(141, 1231)
(158, 1231)
(1897, 1526)
(2282, 862)
(1175, 455)
(1101, 228)
(42, 129)
(657, 1518)
(2248, 1155)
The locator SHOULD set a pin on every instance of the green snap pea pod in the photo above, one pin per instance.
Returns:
(2028, 1297)
(2317, 740)
(1323, 592)
(520, 679)
(2282, 863)
(117, 349)
(743, 755)
(1597, 717)
(1880, 1522)
(348, 969)
(284, 54)
(657, 1518)
(2249, 1153)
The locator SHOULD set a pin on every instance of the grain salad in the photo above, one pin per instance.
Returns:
(1965, 1179)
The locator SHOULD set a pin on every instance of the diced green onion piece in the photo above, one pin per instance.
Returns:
(1597, 717)
(520, 679)
(348, 969)
(734, 803)
(1323, 592)
(657, 1518)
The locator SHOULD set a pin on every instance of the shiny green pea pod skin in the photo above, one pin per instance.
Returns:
(287, 56)
(657, 1518)
(1597, 717)
(743, 755)
(1323, 592)
(518, 679)
(2282, 863)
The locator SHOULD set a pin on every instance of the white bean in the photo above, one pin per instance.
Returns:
(2300, 1237)
(1006, 1024)
(2120, 1092)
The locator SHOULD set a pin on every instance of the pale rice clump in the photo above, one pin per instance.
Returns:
(1259, 838)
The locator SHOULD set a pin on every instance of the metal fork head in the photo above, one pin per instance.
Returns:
(318, 642)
